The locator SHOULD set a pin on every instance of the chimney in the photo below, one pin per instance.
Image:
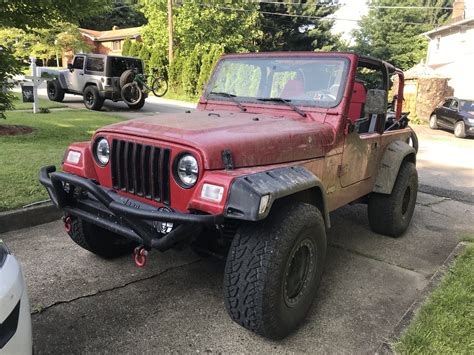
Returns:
(115, 27)
(458, 11)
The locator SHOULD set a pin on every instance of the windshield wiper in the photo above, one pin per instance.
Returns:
(285, 101)
(230, 96)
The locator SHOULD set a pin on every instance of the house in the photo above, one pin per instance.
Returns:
(106, 42)
(451, 49)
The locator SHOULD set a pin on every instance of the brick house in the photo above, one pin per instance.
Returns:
(106, 42)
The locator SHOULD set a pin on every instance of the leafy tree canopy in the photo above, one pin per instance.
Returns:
(305, 28)
(205, 23)
(123, 14)
(41, 13)
(394, 34)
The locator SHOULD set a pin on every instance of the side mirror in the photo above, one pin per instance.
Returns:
(69, 66)
(376, 102)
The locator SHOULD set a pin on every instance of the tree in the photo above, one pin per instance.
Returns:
(204, 23)
(42, 13)
(126, 46)
(123, 14)
(8, 68)
(306, 28)
(394, 34)
(134, 49)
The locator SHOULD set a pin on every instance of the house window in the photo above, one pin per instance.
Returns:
(116, 45)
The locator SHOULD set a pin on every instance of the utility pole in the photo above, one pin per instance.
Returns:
(170, 31)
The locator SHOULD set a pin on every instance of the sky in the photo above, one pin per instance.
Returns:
(352, 10)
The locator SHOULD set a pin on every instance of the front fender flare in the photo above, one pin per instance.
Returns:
(246, 191)
(392, 159)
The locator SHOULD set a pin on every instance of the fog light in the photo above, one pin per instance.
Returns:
(212, 192)
(73, 157)
(264, 201)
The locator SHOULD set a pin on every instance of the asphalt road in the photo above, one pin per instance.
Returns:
(175, 304)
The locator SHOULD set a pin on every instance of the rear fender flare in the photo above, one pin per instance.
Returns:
(396, 152)
(246, 192)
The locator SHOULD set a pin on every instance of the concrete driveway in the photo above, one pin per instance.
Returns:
(175, 304)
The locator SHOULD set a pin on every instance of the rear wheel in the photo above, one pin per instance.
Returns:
(433, 122)
(274, 268)
(55, 92)
(99, 241)
(159, 86)
(391, 214)
(92, 99)
(460, 130)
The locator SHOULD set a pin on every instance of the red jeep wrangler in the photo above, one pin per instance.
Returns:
(279, 140)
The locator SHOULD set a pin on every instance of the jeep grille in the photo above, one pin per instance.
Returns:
(141, 170)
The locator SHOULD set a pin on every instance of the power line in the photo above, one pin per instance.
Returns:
(320, 18)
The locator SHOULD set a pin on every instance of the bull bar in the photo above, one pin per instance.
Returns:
(105, 208)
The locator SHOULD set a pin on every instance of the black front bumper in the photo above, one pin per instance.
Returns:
(135, 220)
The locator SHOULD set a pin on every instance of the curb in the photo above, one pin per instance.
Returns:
(435, 280)
(28, 217)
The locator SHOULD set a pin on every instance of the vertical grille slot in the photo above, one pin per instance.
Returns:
(166, 176)
(141, 170)
(155, 172)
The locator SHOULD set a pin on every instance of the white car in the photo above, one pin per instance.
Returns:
(15, 319)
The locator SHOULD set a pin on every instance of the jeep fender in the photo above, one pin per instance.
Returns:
(95, 83)
(62, 81)
(246, 192)
(394, 155)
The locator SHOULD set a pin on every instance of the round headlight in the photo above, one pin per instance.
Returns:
(187, 171)
(102, 151)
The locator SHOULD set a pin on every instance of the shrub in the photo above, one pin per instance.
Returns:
(190, 71)
(126, 46)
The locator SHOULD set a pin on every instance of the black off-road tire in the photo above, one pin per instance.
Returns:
(460, 129)
(138, 105)
(126, 77)
(55, 92)
(433, 123)
(99, 241)
(256, 282)
(92, 98)
(391, 214)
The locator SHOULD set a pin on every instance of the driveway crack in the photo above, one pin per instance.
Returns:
(98, 292)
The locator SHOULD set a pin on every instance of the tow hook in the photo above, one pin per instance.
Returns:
(140, 256)
(67, 224)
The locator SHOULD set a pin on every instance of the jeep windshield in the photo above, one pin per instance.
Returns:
(302, 81)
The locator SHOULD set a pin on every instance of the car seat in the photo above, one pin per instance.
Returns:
(356, 106)
(292, 89)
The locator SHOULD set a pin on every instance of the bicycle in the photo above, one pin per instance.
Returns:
(132, 92)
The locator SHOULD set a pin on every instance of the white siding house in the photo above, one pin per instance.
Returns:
(451, 51)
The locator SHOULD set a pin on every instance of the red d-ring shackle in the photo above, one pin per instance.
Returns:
(67, 224)
(140, 256)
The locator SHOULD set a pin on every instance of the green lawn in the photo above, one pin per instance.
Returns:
(22, 156)
(20, 105)
(445, 323)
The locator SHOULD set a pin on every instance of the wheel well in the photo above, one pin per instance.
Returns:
(411, 158)
(312, 196)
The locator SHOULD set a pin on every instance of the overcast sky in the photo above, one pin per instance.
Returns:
(351, 10)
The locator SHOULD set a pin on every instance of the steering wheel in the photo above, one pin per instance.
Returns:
(321, 94)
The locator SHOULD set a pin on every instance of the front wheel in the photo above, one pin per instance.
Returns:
(460, 130)
(55, 92)
(274, 268)
(131, 94)
(391, 214)
(159, 86)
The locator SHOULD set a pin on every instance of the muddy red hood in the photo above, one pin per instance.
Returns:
(253, 139)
